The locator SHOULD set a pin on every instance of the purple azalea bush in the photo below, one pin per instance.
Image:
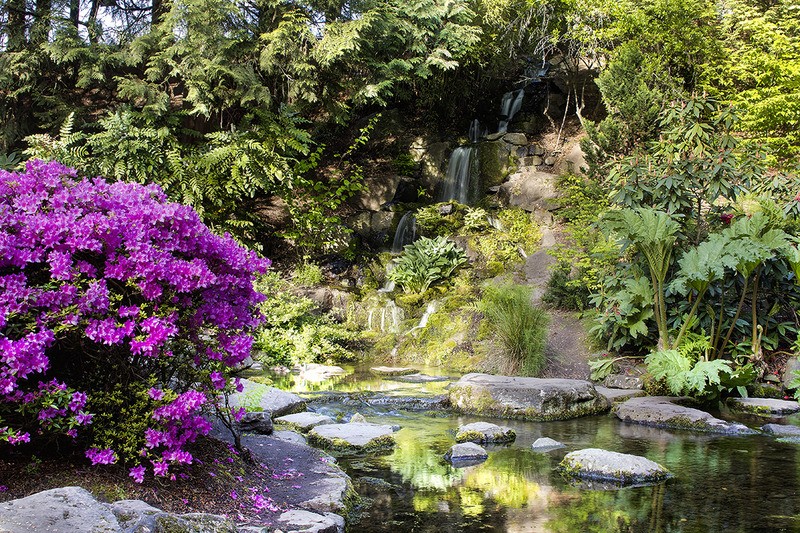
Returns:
(109, 289)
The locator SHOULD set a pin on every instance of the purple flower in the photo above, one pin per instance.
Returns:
(137, 473)
(106, 456)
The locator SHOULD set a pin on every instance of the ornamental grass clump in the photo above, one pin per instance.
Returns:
(121, 315)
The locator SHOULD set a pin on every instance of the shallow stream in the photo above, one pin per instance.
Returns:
(730, 484)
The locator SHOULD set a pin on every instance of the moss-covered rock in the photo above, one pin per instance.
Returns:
(495, 162)
(526, 398)
(352, 437)
(485, 433)
(603, 465)
(763, 406)
(667, 412)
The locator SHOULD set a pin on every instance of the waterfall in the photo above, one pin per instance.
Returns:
(459, 174)
(475, 131)
(406, 232)
(432, 308)
(510, 106)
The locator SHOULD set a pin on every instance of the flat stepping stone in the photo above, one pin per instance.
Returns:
(533, 399)
(352, 437)
(781, 430)
(316, 372)
(304, 422)
(258, 397)
(546, 444)
(466, 452)
(618, 395)
(419, 378)
(485, 433)
(308, 522)
(621, 381)
(763, 406)
(392, 370)
(603, 465)
(664, 412)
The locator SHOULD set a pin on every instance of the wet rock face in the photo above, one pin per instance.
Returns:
(603, 465)
(665, 412)
(526, 398)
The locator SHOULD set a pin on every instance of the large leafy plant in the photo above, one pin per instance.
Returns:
(113, 301)
(426, 262)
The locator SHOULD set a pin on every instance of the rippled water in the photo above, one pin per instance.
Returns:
(730, 484)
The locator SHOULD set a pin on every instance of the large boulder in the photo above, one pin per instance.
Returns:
(485, 433)
(63, 510)
(258, 397)
(603, 465)
(531, 190)
(352, 437)
(258, 422)
(763, 406)
(526, 398)
(666, 412)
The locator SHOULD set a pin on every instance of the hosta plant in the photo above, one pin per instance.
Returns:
(115, 303)
(426, 262)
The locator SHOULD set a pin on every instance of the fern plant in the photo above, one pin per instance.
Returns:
(426, 262)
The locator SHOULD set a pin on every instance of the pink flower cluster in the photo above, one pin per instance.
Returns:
(124, 268)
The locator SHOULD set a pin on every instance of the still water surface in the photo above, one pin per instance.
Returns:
(721, 484)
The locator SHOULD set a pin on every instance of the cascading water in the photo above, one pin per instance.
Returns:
(406, 232)
(475, 131)
(459, 175)
(510, 106)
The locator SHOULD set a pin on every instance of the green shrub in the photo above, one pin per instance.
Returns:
(307, 274)
(519, 326)
(432, 222)
(405, 165)
(425, 262)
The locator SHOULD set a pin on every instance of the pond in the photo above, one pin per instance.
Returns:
(731, 484)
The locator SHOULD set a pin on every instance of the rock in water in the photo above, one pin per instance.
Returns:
(763, 406)
(466, 452)
(664, 412)
(780, 430)
(308, 522)
(603, 465)
(546, 444)
(484, 432)
(526, 398)
(304, 422)
(352, 437)
(392, 371)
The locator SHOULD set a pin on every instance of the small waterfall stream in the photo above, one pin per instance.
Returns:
(510, 106)
(406, 232)
(459, 175)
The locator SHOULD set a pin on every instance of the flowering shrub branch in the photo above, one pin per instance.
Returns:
(108, 290)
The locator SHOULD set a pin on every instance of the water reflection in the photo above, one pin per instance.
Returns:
(731, 484)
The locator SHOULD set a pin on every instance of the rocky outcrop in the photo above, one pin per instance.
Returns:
(466, 452)
(666, 412)
(526, 398)
(530, 190)
(74, 509)
(546, 444)
(257, 397)
(353, 437)
(304, 422)
(485, 433)
(603, 465)
(763, 406)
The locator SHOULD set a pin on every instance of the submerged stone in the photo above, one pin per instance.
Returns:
(603, 465)
(303, 422)
(763, 406)
(466, 452)
(546, 444)
(526, 398)
(484, 432)
(665, 412)
(353, 437)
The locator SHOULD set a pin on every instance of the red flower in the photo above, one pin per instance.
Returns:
(726, 218)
